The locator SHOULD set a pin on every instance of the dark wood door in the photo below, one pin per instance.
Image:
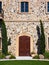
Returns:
(24, 46)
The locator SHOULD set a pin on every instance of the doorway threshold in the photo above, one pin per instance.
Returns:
(24, 58)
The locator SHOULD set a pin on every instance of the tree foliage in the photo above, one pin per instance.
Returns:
(42, 38)
(4, 37)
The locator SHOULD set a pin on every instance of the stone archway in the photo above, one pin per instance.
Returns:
(24, 46)
(17, 42)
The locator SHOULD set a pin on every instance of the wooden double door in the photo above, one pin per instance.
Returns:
(24, 46)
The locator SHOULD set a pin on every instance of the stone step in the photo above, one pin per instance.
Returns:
(24, 58)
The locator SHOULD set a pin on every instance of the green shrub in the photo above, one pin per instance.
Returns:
(46, 55)
(2, 56)
(36, 57)
(9, 53)
(0, 52)
(12, 57)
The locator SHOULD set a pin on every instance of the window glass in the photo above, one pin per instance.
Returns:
(24, 6)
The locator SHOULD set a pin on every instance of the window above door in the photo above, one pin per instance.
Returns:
(24, 7)
(47, 7)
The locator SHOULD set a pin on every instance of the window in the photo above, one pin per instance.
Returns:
(47, 6)
(24, 6)
(0, 7)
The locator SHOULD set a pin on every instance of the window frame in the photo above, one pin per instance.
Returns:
(24, 4)
(19, 7)
(47, 7)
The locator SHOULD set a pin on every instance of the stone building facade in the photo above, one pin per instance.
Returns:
(24, 23)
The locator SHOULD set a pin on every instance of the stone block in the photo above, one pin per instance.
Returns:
(41, 56)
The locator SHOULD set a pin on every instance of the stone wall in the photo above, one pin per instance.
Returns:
(37, 10)
(19, 23)
(17, 28)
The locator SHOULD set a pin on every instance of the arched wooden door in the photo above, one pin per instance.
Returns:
(24, 46)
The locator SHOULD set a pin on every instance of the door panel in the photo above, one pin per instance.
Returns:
(24, 46)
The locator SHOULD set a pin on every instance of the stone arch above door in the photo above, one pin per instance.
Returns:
(17, 42)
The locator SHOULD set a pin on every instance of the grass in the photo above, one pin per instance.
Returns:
(24, 62)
